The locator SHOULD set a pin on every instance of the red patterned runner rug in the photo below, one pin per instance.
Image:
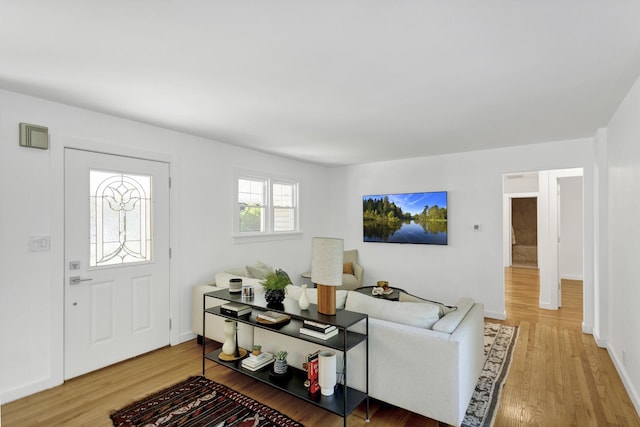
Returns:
(199, 402)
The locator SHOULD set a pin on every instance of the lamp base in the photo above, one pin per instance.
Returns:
(326, 300)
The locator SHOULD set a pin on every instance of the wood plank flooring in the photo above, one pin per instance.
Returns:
(558, 377)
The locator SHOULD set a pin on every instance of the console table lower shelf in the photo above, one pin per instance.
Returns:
(293, 383)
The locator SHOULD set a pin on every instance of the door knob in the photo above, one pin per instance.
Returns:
(75, 280)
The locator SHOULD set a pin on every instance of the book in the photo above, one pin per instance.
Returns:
(317, 334)
(254, 365)
(312, 372)
(234, 313)
(235, 306)
(273, 316)
(317, 326)
(257, 367)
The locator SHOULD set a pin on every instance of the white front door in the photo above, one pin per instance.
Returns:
(116, 259)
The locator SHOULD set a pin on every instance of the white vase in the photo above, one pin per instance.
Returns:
(229, 346)
(327, 372)
(304, 302)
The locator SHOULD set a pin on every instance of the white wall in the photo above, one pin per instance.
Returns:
(521, 183)
(471, 264)
(571, 228)
(31, 187)
(623, 139)
(31, 329)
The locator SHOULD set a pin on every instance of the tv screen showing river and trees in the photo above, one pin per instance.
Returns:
(405, 218)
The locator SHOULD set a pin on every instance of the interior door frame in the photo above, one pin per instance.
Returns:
(548, 235)
(506, 221)
(58, 144)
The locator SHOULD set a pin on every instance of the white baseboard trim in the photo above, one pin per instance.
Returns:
(495, 315)
(27, 390)
(185, 336)
(600, 342)
(547, 306)
(47, 383)
(628, 385)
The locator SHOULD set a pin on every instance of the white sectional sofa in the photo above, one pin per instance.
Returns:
(421, 357)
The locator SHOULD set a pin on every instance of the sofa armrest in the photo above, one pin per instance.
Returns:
(444, 367)
(215, 324)
(197, 298)
(358, 271)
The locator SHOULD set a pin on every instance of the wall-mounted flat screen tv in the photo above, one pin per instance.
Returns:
(419, 218)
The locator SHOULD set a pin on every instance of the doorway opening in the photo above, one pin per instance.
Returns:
(524, 232)
(543, 229)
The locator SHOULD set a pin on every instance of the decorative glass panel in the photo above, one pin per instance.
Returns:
(120, 218)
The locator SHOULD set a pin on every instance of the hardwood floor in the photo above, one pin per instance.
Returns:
(558, 377)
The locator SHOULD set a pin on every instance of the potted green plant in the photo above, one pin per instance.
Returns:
(274, 285)
(257, 349)
(280, 363)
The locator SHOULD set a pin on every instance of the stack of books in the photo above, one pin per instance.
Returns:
(235, 309)
(254, 363)
(318, 330)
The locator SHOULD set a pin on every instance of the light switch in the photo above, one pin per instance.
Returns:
(38, 243)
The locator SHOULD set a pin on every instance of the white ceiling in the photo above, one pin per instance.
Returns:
(333, 82)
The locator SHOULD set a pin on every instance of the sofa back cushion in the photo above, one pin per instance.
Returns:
(408, 313)
(222, 281)
(294, 292)
(442, 309)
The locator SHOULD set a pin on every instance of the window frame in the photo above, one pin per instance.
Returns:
(269, 232)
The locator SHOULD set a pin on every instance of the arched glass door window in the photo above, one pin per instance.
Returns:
(120, 218)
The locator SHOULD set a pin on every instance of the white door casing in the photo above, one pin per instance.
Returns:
(119, 307)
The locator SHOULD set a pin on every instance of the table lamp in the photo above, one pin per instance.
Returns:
(326, 271)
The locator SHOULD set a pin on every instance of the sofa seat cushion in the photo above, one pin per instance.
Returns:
(408, 313)
(450, 322)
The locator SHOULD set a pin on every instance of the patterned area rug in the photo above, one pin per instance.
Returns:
(499, 341)
(199, 402)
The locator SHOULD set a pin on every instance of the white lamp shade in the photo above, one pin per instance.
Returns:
(326, 261)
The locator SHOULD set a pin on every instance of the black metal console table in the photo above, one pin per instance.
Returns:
(345, 399)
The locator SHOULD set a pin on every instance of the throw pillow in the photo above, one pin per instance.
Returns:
(347, 268)
(259, 271)
(443, 310)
